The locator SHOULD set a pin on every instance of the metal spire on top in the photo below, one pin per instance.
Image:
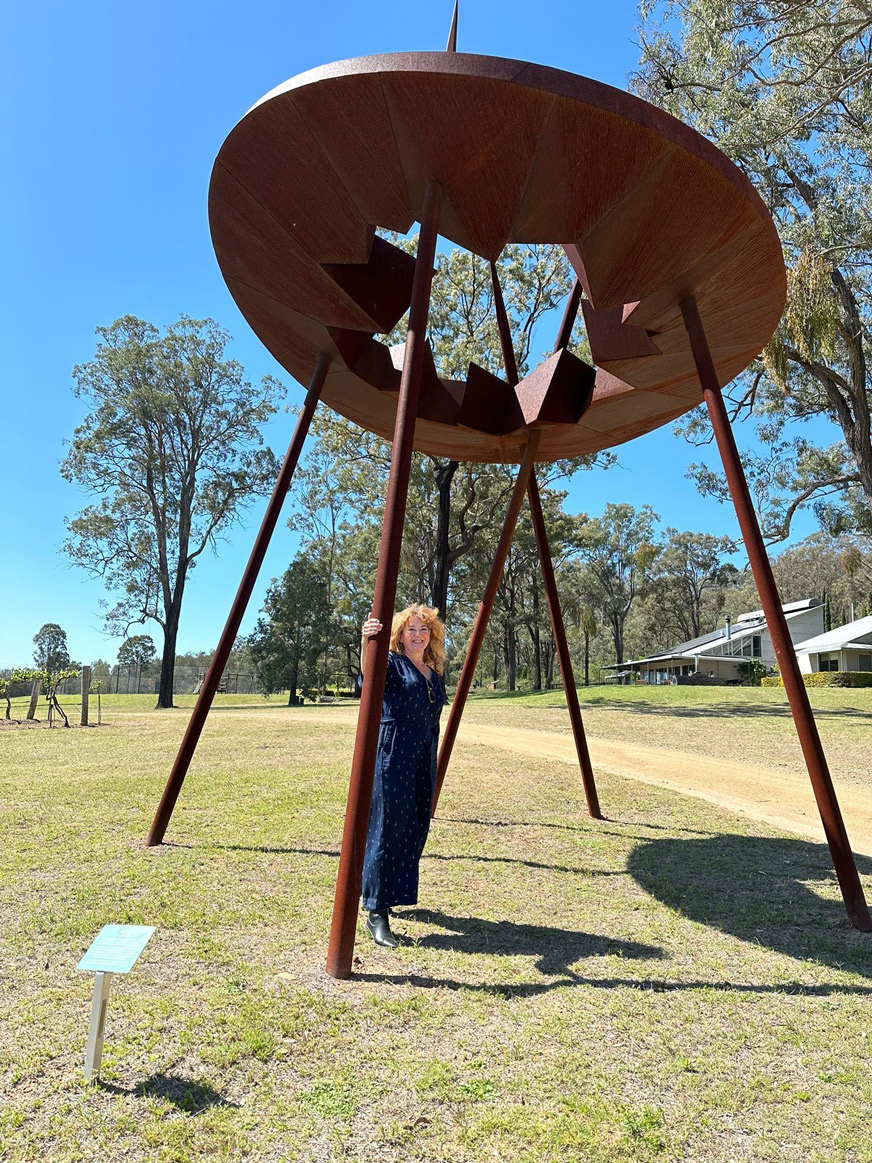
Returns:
(452, 33)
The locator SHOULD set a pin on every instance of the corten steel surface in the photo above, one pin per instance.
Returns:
(458, 703)
(812, 750)
(237, 610)
(648, 211)
(346, 902)
(557, 627)
(484, 612)
(562, 646)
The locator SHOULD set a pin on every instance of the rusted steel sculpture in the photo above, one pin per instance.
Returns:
(676, 256)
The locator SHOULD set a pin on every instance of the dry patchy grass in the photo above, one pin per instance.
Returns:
(668, 984)
(749, 724)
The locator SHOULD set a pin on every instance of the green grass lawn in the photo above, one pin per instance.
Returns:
(671, 983)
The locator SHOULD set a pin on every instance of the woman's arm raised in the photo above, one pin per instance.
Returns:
(370, 628)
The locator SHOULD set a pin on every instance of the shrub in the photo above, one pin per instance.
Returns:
(837, 678)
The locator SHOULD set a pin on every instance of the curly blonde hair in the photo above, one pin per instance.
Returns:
(434, 654)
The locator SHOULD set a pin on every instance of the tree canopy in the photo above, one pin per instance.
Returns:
(287, 643)
(785, 89)
(136, 650)
(171, 447)
(51, 648)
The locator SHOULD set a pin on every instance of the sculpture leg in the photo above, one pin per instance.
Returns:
(562, 649)
(237, 611)
(348, 879)
(484, 612)
(822, 784)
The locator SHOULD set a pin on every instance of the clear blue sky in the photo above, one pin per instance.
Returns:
(112, 115)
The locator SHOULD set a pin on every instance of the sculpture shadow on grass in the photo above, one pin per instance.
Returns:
(727, 709)
(756, 888)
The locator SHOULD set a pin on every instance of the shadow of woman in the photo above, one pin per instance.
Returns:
(754, 888)
(555, 950)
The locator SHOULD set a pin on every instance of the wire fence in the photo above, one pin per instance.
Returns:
(145, 680)
(79, 697)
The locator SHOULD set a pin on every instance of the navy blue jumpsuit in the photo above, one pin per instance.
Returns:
(405, 780)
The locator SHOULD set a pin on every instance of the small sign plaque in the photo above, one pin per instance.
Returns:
(116, 948)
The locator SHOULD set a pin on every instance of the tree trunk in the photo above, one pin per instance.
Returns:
(168, 661)
(510, 657)
(618, 636)
(537, 644)
(586, 658)
(444, 476)
(292, 685)
(550, 652)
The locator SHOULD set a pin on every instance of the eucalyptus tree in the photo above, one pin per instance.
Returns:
(171, 449)
(618, 550)
(136, 650)
(51, 647)
(579, 591)
(785, 89)
(688, 584)
(289, 639)
(836, 569)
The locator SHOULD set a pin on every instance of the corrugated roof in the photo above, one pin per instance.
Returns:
(743, 627)
(839, 638)
(788, 608)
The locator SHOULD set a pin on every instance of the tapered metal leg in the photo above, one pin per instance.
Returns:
(484, 613)
(348, 880)
(510, 364)
(822, 784)
(237, 610)
(562, 648)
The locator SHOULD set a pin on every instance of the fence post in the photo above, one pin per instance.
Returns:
(86, 690)
(34, 697)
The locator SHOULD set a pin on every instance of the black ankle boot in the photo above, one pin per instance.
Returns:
(378, 928)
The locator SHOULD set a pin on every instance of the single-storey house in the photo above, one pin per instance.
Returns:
(718, 656)
(848, 647)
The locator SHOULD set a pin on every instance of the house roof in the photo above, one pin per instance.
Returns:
(840, 638)
(788, 608)
(743, 627)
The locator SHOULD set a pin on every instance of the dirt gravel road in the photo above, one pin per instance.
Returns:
(777, 796)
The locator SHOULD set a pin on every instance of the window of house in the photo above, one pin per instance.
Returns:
(864, 662)
(828, 662)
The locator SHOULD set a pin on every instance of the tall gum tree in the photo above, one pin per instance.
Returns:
(619, 551)
(171, 446)
(785, 89)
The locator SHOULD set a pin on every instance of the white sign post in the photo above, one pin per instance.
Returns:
(115, 949)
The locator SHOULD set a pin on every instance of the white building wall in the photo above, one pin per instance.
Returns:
(804, 625)
(767, 650)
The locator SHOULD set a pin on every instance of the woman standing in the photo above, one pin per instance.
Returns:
(405, 768)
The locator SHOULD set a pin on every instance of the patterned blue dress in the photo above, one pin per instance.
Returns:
(405, 780)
